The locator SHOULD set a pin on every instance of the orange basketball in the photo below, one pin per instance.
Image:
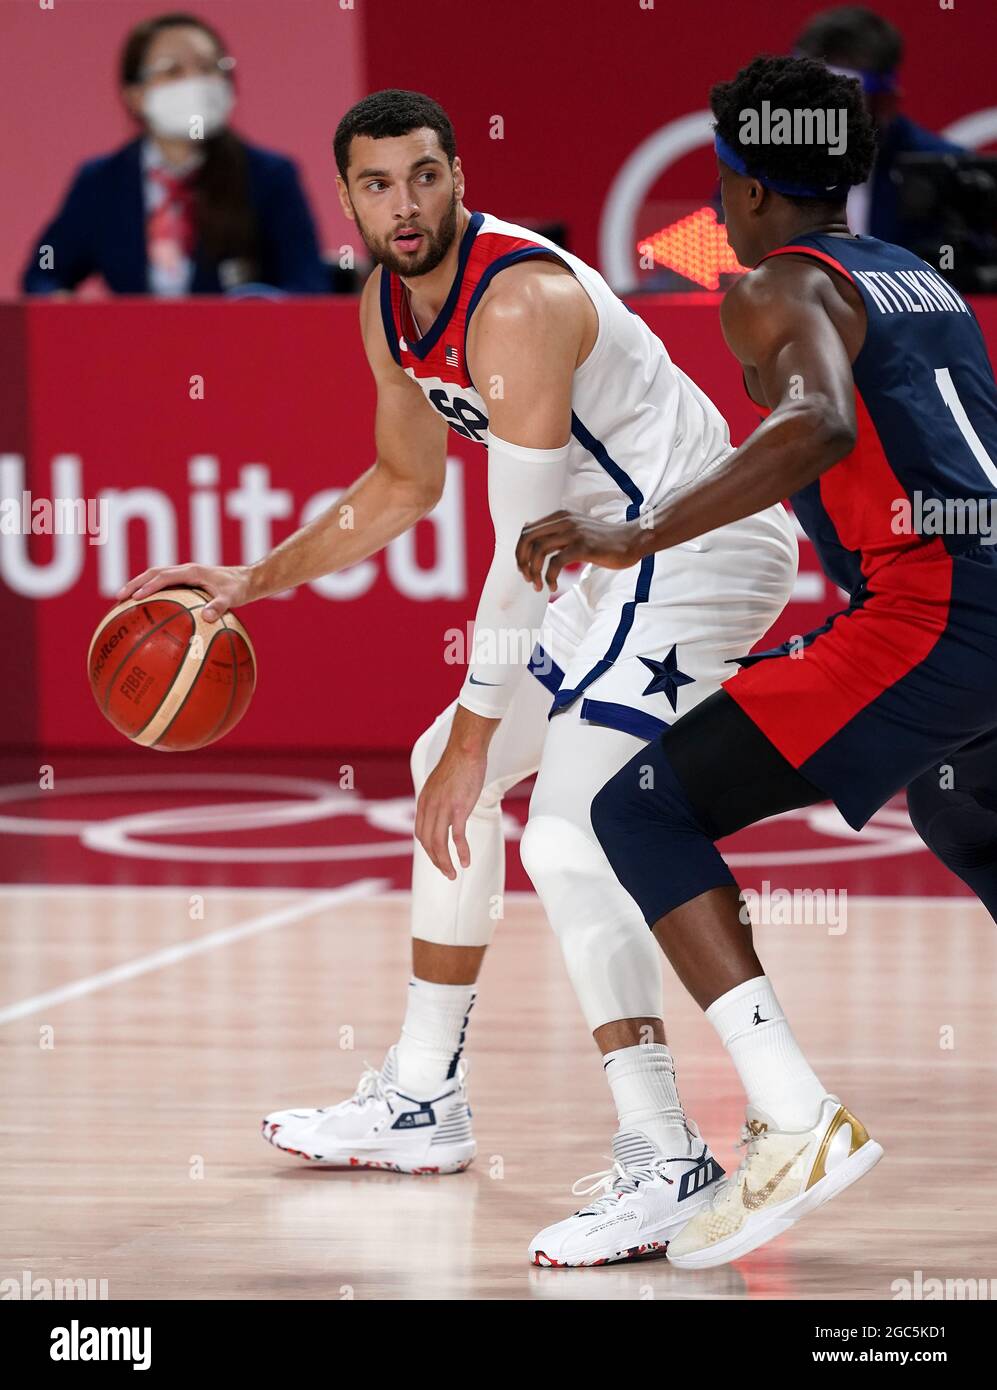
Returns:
(165, 677)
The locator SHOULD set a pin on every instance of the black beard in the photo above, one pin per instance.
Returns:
(439, 243)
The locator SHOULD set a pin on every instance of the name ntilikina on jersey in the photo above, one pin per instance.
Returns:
(910, 292)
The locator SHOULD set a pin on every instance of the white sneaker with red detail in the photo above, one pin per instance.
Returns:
(784, 1175)
(647, 1196)
(380, 1126)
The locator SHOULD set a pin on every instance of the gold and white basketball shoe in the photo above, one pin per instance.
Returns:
(784, 1175)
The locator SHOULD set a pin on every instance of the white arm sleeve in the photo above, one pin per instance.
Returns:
(523, 485)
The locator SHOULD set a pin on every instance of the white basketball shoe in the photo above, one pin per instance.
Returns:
(647, 1197)
(784, 1175)
(382, 1127)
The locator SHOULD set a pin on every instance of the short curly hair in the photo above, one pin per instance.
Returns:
(796, 84)
(393, 111)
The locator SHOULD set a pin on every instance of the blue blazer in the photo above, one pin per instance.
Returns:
(101, 227)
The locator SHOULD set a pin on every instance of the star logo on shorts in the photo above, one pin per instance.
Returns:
(667, 677)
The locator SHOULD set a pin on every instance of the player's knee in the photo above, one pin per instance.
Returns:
(428, 749)
(426, 753)
(553, 847)
(632, 799)
(578, 888)
(644, 807)
(616, 805)
(953, 825)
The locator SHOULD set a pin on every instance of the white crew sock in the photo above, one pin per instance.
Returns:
(775, 1074)
(432, 1037)
(642, 1080)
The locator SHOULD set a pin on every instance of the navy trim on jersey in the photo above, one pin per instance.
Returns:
(545, 669)
(621, 478)
(842, 566)
(502, 263)
(428, 341)
(629, 721)
(642, 591)
(388, 317)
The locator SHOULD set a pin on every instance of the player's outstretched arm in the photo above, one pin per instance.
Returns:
(775, 322)
(404, 483)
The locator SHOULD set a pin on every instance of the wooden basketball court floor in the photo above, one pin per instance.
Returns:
(140, 1046)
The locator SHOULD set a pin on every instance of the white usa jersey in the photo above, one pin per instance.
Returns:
(639, 427)
(636, 647)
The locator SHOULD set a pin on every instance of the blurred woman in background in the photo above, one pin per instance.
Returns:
(188, 207)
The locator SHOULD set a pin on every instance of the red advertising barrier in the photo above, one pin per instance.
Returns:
(211, 430)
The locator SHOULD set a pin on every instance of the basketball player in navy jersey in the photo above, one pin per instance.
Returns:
(484, 327)
(878, 394)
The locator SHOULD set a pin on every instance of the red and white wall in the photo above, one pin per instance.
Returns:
(96, 397)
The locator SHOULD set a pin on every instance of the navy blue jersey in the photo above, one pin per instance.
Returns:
(925, 461)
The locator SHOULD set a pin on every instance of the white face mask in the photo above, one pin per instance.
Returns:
(170, 107)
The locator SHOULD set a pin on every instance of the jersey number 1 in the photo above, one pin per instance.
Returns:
(946, 386)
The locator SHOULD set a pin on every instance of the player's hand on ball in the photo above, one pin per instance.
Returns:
(448, 797)
(228, 585)
(568, 538)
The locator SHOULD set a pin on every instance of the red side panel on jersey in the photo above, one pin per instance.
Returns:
(799, 702)
(859, 494)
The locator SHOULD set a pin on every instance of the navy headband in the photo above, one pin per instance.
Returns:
(731, 158)
(878, 81)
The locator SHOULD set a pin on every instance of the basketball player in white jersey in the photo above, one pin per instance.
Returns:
(488, 329)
